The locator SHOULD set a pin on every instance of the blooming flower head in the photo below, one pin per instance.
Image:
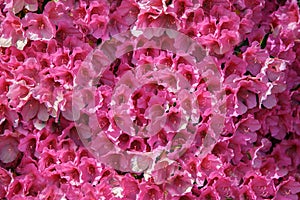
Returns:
(38, 27)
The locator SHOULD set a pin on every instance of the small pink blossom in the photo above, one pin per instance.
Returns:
(262, 187)
(38, 27)
(9, 148)
(17, 5)
(12, 32)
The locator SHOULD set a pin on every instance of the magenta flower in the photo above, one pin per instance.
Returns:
(150, 191)
(17, 5)
(130, 187)
(235, 66)
(51, 191)
(123, 17)
(225, 189)
(246, 193)
(28, 145)
(9, 148)
(47, 158)
(89, 169)
(5, 180)
(98, 26)
(288, 190)
(180, 7)
(209, 193)
(210, 164)
(153, 18)
(255, 57)
(56, 13)
(179, 185)
(12, 32)
(38, 27)
(262, 187)
(30, 109)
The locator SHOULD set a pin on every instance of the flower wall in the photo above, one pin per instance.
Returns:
(253, 44)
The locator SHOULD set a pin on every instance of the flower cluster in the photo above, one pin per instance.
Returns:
(252, 59)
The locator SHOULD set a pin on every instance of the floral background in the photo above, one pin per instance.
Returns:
(254, 45)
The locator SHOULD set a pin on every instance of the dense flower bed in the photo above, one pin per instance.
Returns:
(253, 44)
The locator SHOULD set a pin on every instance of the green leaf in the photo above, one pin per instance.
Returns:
(263, 42)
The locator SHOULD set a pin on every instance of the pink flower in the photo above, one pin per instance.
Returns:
(223, 44)
(5, 177)
(238, 173)
(16, 187)
(123, 141)
(96, 8)
(268, 168)
(262, 187)
(119, 161)
(288, 190)
(66, 30)
(209, 193)
(225, 189)
(80, 12)
(5, 180)
(90, 192)
(51, 191)
(69, 172)
(33, 180)
(67, 155)
(290, 16)
(210, 164)
(30, 109)
(47, 158)
(235, 66)
(149, 191)
(189, 73)
(89, 169)
(28, 144)
(179, 7)
(204, 101)
(246, 24)
(15, 55)
(226, 19)
(282, 161)
(219, 151)
(152, 18)
(56, 13)
(38, 27)
(163, 171)
(208, 26)
(72, 191)
(49, 142)
(276, 126)
(12, 32)
(9, 147)
(255, 57)
(246, 193)
(179, 185)
(122, 18)
(17, 5)
(130, 187)
(9, 117)
(98, 26)
(173, 120)
(137, 144)
(246, 100)
(188, 196)
(160, 139)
